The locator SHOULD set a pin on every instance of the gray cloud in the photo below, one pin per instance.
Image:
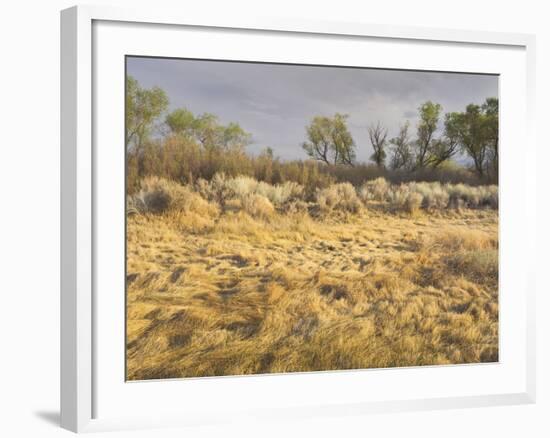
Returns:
(275, 102)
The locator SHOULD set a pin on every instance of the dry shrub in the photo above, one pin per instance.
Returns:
(296, 207)
(456, 203)
(279, 194)
(153, 197)
(364, 193)
(403, 198)
(436, 196)
(433, 194)
(397, 196)
(221, 189)
(158, 195)
(413, 202)
(233, 205)
(132, 205)
(377, 189)
(472, 197)
(342, 197)
(257, 206)
(241, 186)
(461, 195)
(215, 190)
(327, 198)
(489, 196)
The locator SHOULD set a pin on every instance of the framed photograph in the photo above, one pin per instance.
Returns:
(275, 219)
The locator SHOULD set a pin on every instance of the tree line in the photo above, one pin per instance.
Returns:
(184, 146)
(473, 132)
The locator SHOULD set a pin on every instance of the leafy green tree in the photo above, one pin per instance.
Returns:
(445, 147)
(181, 122)
(143, 107)
(330, 140)
(320, 145)
(378, 135)
(490, 110)
(234, 137)
(342, 140)
(429, 113)
(206, 130)
(402, 156)
(430, 150)
(469, 127)
(476, 131)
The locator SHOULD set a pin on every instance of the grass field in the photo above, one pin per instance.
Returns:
(226, 289)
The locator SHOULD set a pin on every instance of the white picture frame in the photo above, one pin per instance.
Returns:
(85, 175)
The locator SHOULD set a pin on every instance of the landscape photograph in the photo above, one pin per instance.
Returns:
(289, 218)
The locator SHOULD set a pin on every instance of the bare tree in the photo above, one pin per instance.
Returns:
(378, 135)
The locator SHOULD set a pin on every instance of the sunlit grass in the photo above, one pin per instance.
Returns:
(252, 287)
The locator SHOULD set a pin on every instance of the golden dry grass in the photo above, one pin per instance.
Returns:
(212, 293)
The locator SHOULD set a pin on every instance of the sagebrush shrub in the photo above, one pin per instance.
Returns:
(133, 206)
(296, 206)
(489, 196)
(221, 189)
(377, 189)
(158, 195)
(340, 196)
(279, 194)
(242, 186)
(413, 202)
(397, 195)
(433, 194)
(405, 198)
(470, 196)
(257, 206)
(364, 192)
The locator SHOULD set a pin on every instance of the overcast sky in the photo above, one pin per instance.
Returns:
(275, 102)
